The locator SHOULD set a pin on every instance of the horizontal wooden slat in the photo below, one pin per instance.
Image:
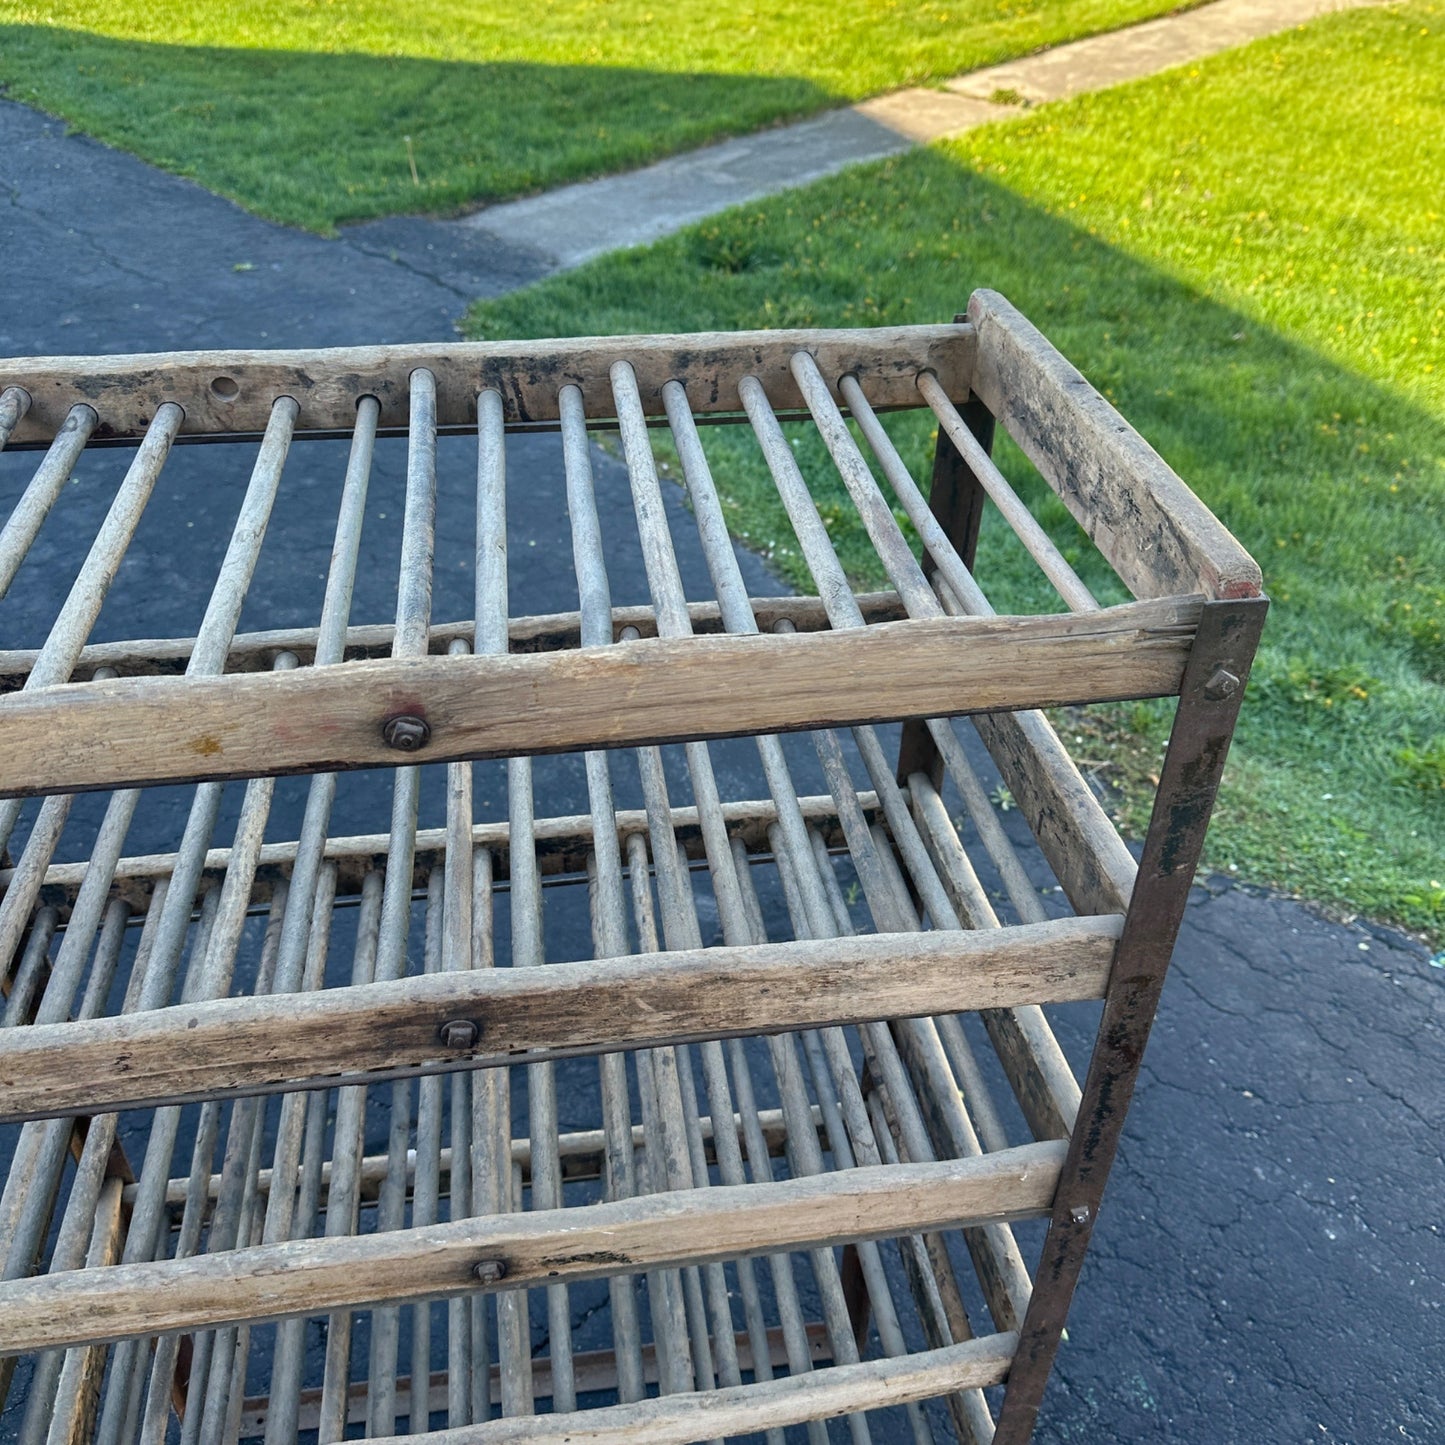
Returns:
(1089, 858)
(1156, 533)
(268, 1043)
(256, 651)
(695, 1226)
(560, 845)
(232, 391)
(592, 1371)
(749, 1409)
(580, 1154)
(133, 731)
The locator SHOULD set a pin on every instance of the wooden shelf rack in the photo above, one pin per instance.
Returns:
(609, 1022)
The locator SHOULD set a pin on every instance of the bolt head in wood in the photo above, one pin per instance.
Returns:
(459, 1033)
(489, 1271)
(1079, 1214)
(407, 734)
(1224, 684)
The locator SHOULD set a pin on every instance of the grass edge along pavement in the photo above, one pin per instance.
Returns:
(1274, 329)
(330, 112)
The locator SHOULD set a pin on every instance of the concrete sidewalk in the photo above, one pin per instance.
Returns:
(575, 223)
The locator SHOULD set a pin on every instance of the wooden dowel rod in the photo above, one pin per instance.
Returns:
(44, 488)
(458, 921)
(851, 1142)
(944, 1319)
(908, 578)
(344, 1182)
(805, 1157)
(665, 1165)
(670, 1069)
(680, 913)
(1083, 847)
(528, 953)
(583, 1156)
(235, 1186)
(413, 617)
(72, 625)
(33, 963)
(32, 1182)
(14, 403)
(426, 1194)
(1077, 838)
(1042, 1081)
(1039, 545)
(122, 1379)
(930, 530)
(56, 658)
(217, 628)
(596, 1373)
(877, 518)
(889, 903)
(932, 1118)
(606, 896)
(728, 580)
(38, 1158)
(492, 1168)
(27, 878)
(1090, 831)
(715, 1360)
(288, 1211)
(159, 1393)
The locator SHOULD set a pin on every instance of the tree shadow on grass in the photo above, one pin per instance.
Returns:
(314, 139)
(1268, 431)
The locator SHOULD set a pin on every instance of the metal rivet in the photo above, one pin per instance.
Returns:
(458, 1033)
(489, 1271)
(1222, 685)
(405, 733)
(1079, 1214)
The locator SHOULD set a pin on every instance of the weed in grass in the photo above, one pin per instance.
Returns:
(1424, 767)
(1420, 620)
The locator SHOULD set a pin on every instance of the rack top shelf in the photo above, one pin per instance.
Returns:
(814, 402)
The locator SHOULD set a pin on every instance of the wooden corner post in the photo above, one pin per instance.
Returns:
(956, 497)
(1209, 700)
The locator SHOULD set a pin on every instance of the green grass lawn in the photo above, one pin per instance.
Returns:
(1248, 257)
(299, 109)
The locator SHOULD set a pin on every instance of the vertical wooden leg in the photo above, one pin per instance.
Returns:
(82, 1388)
(855, 1295)
(1208, 704)
(956, 498)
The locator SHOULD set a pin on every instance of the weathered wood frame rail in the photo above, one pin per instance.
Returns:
(912, 1146)
(232, 391)
(256, 651)
(344, 1035)
(132, 732)
(309, 1278)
